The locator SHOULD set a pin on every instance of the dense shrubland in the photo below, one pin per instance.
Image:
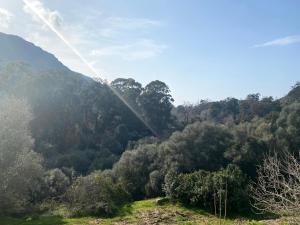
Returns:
(71, 141)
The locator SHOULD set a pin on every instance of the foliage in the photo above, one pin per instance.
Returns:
(136, 169)
(20, 166)
(79, 122)
(55, 183)
(198, 146)
(81, 126)
(206, 189)
(288, 131)
(156, 104)
(226, 111)
(95, 194)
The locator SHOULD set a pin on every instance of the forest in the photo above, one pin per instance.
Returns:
(68, 141)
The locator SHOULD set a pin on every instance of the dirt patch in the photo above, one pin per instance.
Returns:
(287, 221)
(95, 222)
(157, 217)
(161, 217)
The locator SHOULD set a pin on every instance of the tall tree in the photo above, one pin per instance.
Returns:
(156, 104)
(20, 167)
(129, 90)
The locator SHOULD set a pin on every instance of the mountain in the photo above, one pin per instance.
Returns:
(77, 121)
(16, 49)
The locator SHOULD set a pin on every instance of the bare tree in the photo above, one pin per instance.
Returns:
(188, 112)
(277, 189)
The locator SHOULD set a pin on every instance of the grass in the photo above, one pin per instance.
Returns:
(140, 212)
(45, 220)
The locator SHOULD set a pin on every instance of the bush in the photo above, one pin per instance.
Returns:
(210, 190)
(95, 194)
(56, 182)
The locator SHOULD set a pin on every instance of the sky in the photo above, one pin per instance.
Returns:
(202, 49)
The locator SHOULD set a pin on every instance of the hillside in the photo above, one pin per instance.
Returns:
(71, 147)
(16, 49)
(293, 95)
(77, 122)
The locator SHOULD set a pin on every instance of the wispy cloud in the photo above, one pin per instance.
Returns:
(114, 26)
(280, 41)
(53, 16)
(141, 49)
(5, 18)
(131, 23)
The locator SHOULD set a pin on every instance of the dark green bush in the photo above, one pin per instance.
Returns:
(210, 189)
(95, 194)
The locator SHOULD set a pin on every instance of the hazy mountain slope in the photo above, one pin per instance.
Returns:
(65, 104)
(77, 122)
(16, 49)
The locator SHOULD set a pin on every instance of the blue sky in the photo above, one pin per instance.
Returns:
(209, 49)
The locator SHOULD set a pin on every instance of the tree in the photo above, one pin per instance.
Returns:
(156, 105)
(56, 183)
(198, 146)
(20, 167)
(184, 113)
(288, 131)
(248, 106)
(129, 89)
(96, 194)
(251, 142)
(293, 95)
(277, 189)
(135, 169)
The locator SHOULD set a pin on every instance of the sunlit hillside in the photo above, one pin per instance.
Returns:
(149, 112)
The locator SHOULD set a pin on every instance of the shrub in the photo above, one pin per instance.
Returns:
(95, 194)
(222, 190)
(56, 182)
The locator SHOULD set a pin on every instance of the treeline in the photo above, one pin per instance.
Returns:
(92, 154)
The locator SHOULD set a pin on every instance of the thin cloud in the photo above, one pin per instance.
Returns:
(53, 16)
(5, 18)
(131, 23)
(114, 26)
(280, 41)
(139, 50)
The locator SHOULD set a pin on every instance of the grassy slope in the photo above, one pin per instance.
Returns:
(141, 212)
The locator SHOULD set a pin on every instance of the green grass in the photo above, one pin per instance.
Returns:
(45, 220)
(137, 213)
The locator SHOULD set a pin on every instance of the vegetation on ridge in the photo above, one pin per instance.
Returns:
(69, 142)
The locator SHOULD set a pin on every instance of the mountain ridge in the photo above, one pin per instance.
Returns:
(16, 49)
